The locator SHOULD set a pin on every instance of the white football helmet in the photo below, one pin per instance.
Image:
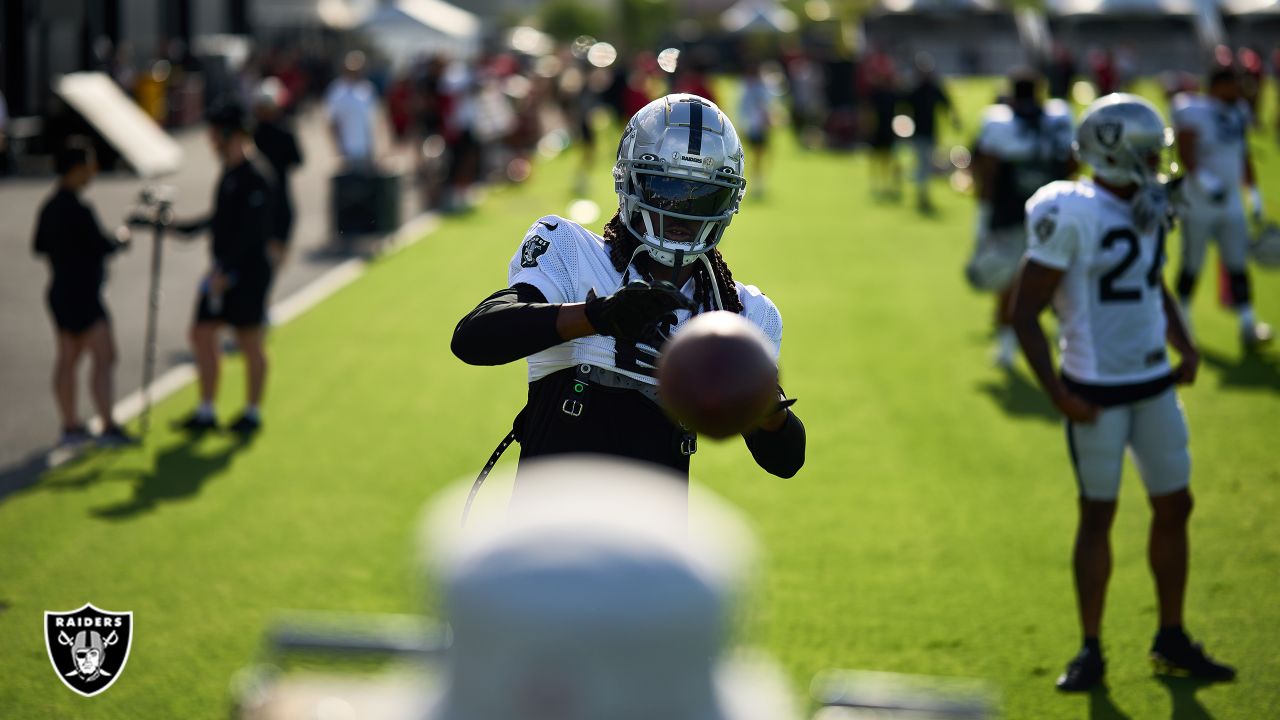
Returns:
(1265, 247)
(679, 177)
(1122, 136)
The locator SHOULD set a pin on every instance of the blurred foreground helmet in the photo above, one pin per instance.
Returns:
(1265, 247)
(1121, 136)
(679, 160)
(605, 593)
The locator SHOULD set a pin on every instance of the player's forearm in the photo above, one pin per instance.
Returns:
(1035, 346)
(781, 451)
(508, 325)
(1176, 332)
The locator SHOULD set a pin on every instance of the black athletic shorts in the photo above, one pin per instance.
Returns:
(75, 312)
(244, 304)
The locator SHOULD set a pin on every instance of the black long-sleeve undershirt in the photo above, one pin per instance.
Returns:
(517, 322)
(509, 325)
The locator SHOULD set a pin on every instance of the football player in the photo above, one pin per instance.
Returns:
(1214, 151)
(1097, 249)
(1023, 144)
(591, 312)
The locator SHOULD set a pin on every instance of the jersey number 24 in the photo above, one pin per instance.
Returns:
(1110, 289)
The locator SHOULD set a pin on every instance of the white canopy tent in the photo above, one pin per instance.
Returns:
(749, 16)
(406, 29)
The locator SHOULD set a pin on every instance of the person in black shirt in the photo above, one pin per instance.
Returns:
(594, 310)
(886, 174)
(69, 237)
(925, 99)
(279, 146)
(234, 292)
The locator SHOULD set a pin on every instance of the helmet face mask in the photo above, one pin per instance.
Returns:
(679, 177)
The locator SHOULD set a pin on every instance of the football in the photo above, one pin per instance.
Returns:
(717, 375)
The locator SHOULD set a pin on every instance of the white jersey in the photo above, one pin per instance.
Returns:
(1109, 304)
(1030, 154)
(566, 261)
(1220, 135)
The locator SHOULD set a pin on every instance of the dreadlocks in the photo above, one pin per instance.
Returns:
(622, 245)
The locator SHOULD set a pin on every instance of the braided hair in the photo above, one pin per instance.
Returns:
(622, 245)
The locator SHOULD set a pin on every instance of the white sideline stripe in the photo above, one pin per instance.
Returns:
(305, 298)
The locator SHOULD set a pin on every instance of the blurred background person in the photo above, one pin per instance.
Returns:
(279, 147)
(234, 292)
(4, 135)
(886, 173)
(1211, 133)
(71, 240)
(351, 103)
(925, 99)
(1022, 146)
(755, 112)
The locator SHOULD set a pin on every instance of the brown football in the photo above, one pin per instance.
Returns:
(717, 375)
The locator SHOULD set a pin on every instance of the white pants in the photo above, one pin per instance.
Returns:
(1224, 222)
(1154, 430)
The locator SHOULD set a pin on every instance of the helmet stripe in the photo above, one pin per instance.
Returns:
(695, 128)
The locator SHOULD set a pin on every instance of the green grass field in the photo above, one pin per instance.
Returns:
(929, 532)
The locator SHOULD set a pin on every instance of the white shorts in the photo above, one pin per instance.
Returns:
(1154, 430)
(1225, 223)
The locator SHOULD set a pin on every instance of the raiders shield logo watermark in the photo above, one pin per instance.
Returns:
(533, 248)
(1109, 132)
(1045, 226)
(88, 647)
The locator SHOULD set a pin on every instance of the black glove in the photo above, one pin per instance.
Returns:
(631, 311)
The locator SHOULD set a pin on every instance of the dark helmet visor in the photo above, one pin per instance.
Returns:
(685, 197)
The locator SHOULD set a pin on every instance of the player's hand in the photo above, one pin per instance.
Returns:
(123, 238)
(637, 306)
(1075, 408)
(1185, 373)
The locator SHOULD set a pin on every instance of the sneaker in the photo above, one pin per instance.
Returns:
(1254, 337)
(74, 437)
(115, 436)
(246, 425)
(1083, 673)
(1179, 657)
(197, 424)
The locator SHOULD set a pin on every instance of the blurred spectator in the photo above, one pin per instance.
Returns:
(462, 89)
(1102, 64)
(693, 77)
(886, 175)
(279, 146)
(351, 103)
(1061, 72)
(578, 102)
(925, 99)
(635, 94)
(755, 112)
(70, 238)
(808, 105)
(4, 135)
(235, 290)
(399, 108)
(1251, 76)
(1275, 69)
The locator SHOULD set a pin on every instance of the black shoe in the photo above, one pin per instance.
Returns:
(115, 436)
(1179, 657)
(246, 425)
(74, 437)
(197, 424)
(1083, 673)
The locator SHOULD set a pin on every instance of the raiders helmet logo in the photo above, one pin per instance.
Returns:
(1109, 132)
(88, 647)
(533, 248)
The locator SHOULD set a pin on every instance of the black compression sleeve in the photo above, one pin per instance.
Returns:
(780, 452)
(508, 325)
